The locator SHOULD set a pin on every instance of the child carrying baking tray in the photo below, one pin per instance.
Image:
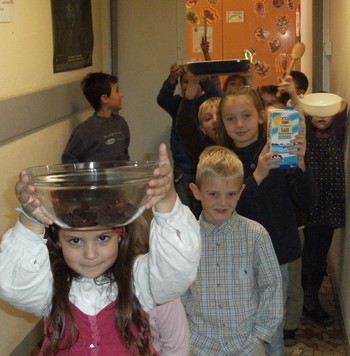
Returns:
(184, 165)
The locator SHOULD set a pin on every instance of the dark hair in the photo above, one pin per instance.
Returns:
(94, 85)
(129, 316)
(300, 80)
(273, 90)
(229, 78)
(223, 138)
(270, 89)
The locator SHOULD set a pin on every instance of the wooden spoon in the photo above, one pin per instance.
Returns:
(298, 51)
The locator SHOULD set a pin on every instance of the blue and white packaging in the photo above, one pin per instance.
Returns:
(283, 125)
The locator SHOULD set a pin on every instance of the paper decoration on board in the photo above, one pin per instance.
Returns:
(275, 45)
(261, 34)
(290, 5)
(282, 24)
(234, 16)
(260, 8)
(282, 62)
(262, 69)
(190, 3)
(192, 17)
(210, 14)
(278, 3)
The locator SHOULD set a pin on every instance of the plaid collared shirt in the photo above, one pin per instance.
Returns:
(236, 300)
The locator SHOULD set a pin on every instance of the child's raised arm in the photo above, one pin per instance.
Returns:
(265, 164)
(171, 265)
(193, 86)
(161, 191)
(25, 274)
(31, 206)
(175, 72)
(286, 85)
(299, 148)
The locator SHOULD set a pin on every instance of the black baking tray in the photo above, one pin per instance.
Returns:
(219, 67)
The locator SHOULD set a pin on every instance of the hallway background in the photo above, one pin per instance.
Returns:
(148, 39)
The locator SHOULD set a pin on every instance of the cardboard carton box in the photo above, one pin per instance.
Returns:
(283, 125)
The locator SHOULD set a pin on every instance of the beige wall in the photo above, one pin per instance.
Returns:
(306, 38)
(26, 66)
(27, 50)
(45, 145)
(339, 19)
(150, 39)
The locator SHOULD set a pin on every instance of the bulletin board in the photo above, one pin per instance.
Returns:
(269, 27)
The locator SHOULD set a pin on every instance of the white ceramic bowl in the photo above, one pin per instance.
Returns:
(321, 104)
(93, 195)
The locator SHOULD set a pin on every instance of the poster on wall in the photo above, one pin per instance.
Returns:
(73, 37)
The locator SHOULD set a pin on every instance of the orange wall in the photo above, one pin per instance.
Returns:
(233, 26)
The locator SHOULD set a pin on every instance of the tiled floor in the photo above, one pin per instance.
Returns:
(314, 340)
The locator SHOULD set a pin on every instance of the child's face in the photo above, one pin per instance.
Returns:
(322, 123)
(241, 120)
(115, 98)
(89, 253)
(219, 197)
(208, 122)
(235, 82)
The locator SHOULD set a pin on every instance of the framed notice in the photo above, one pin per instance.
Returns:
(73, 37)
(7, 11)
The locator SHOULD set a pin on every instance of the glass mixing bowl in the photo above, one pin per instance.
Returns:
(93, 195)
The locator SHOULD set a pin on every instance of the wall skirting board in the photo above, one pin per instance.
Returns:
(30, 341)
(27, 112)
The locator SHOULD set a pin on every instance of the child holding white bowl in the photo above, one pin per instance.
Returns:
(325, 156)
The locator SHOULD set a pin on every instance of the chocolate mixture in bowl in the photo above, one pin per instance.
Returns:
(86, 208)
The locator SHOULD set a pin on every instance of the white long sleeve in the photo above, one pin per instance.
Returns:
(25, 273)
(170, 267)
(159, 276)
